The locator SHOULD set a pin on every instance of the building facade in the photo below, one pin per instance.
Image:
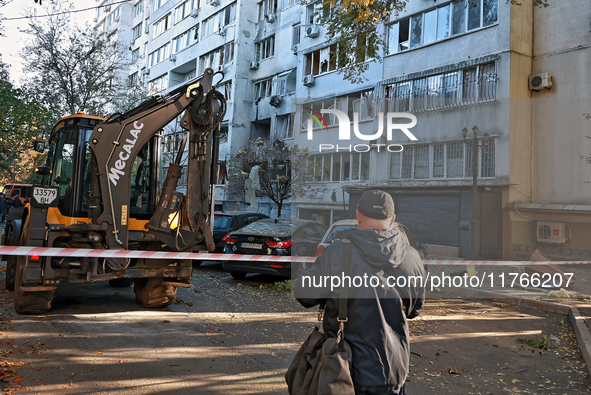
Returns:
(453, 65)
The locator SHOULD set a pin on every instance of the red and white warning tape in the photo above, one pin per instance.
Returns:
(88, 253)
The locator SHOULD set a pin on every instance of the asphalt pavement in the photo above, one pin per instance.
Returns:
(238, 337)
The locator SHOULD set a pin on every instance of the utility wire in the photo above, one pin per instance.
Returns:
(64, 12)
(9, 1)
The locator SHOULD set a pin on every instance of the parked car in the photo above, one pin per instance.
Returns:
(229, 221)
(341, 229)
(279, 236)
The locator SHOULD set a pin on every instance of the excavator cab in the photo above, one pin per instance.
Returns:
(103, 188)
(69, 169)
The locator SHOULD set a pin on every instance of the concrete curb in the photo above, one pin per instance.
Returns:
(575, 318)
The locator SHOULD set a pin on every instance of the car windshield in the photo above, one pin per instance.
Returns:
(280, 228)
(221, 222)
(339, 232)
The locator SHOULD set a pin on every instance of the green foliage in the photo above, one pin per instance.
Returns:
(541, 343)
(23, 119)
(282, 286)
(75, 68)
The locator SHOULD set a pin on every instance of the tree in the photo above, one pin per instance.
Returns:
(23, 119)
(359, 25)
(75, 68)
(283, 169)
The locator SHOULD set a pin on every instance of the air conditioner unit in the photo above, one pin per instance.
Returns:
(220, 68)
(194, 13)
(309, 80)
(213, 2)
(276, 101)
(540, 81)
(552, 232)
(270, 18)
(254, 65)
(173, 58)
(312, 31)
(117, 18)
(221, 31)
(295, 49)
(146, 72)
(108, 8)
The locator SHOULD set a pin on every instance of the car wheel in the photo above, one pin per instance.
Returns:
(238, 275)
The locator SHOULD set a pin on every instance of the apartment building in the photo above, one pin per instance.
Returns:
(454, 65)
(506, 70)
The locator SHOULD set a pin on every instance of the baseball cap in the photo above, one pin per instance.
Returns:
(376, 205)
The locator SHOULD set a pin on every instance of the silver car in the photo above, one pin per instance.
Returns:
(341, 229)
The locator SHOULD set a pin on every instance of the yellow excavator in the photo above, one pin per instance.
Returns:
(103, 189)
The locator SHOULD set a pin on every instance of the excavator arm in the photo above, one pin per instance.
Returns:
(178, 221)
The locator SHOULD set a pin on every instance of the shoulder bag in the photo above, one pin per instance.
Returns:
(322, 366)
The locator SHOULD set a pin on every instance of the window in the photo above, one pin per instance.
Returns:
(217, 21)
(157, 4)
(161, 26)
(314, 13)
(135, 55)
(451, 160)
(289, 3)
(133, 80)
(159, 55)
(340, 166)
(184, 77)
(136, 31)
(267, 7)
(283, 129)
(186, 39)
(265, 48)
(112, 17)
(227, 89)
(474, 84)
(223, 135)
(280, 86)
(440, 23)
(330, 119)
(296, 34)
(459, 17)
(218, 57)
(262, 89)
(138, 8)
(363, 106)
(184, 10)
(158, 84)
(325, 60)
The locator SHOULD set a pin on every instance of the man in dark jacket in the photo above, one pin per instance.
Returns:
(16, 201)
(386, 289)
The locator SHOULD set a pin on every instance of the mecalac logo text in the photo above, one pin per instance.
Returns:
(125, 153)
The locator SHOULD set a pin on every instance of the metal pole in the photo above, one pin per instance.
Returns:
(475, 225)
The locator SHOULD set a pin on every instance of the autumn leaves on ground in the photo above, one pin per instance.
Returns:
(238, 337)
